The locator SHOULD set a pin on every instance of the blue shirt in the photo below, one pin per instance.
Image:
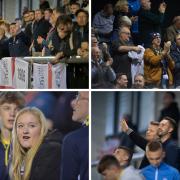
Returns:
(163, 172)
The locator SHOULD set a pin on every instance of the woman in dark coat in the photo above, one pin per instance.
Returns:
(36, 153)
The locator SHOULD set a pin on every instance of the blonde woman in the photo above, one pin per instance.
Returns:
(36, 153)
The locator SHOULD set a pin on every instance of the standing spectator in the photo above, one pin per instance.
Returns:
(121, 81)
(3, 44)
(40, 28)
(157, 168)
(74, 7)
(103, 23)
(47, 14)
(10, 104)
(19, 43)
(75, 150)
(149, 22)
(170, 109)
(158, 64)
(81, 28)
(124, 156)
(175, 54)
(34, 148)
(44, 5)
(120, 49)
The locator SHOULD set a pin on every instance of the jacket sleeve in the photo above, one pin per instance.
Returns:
(46, 164)
(70, 158)
(150, 57)
(138, 140)
(153, 18)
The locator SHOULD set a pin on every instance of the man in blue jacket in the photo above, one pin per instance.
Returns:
(158, 169)
(10, 104)
(75, 150)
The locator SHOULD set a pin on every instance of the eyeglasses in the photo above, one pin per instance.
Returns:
(127, 33)
(79, 98)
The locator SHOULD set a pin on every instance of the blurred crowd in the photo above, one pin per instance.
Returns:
(136, 44)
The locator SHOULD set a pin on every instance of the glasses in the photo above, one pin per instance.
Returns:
(79, 98)
(127, 33)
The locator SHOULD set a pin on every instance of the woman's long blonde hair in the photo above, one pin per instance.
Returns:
(19, 155)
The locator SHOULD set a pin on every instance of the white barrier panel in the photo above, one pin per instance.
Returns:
(6, 72)
(59, 76)
(40, 76)
(21, 74)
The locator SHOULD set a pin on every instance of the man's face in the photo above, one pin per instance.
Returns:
(155, 158)
(13, 29)
(38, 15)
(82, 19)
(157, 41)
(146, 4)
(139, 82)
(47, 15)
(26, 17)
(152, 132)
(96, 53)
(164, 128)
(74, 8)
(110, 173)
(123, 81)
(125, 34)
(122, 156)
(80, 107)
(8, 113)
(31, 16)
(109, 9)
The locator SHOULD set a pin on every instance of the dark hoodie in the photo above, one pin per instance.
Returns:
(46, 163)
(172, 111)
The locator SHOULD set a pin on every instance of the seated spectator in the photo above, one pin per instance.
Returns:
(74, 7)
(103, 23)
(19, 43)
(157, 168)
(34, 149)
(149, 22)
(175, 54)
(124, 156)
(120, 49)
(139, 82)
(173, 30)
(158, 64)
(102, 74)
(121, 81)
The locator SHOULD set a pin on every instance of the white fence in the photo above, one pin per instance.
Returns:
(34, 72)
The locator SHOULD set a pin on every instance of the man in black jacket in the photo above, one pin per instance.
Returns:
(164, 131)
(19, 43)
(170, 109)
(41, 28)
